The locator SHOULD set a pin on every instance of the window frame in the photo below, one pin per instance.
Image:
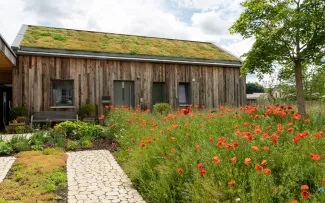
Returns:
(188, 93)
(67, 92)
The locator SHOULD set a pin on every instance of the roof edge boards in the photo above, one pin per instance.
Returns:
(20, 36)
(102, 56)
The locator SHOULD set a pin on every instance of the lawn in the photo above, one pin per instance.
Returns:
(264, 154)
(36, 176)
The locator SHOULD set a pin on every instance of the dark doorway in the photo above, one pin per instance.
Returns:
(158, 92)
(124, 93)
(5, 104)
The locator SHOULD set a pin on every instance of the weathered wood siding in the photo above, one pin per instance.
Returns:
(210, 86)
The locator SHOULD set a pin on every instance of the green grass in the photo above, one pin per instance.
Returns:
(154, 147)
(44, 37)
(35, 177)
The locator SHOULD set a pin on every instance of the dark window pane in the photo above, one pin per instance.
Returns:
(62, 93)
(158, 92)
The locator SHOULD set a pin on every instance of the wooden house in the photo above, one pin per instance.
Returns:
(62, 69)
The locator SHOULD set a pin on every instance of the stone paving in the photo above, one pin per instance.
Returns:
(5, 165)
(95, 176)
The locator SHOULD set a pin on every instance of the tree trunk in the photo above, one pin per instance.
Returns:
(300, 89)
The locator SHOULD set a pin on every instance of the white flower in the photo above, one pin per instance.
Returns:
(238, 199)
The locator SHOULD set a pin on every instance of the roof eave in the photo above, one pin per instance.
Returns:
(124, 57)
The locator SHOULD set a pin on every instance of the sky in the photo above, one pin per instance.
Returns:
(199, 20)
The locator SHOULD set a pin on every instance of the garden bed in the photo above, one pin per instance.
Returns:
(36, 176)
(231, 155)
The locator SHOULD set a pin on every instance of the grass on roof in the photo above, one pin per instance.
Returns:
(55, 38)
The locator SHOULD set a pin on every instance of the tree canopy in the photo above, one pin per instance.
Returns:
(254, 88)
(288, 33)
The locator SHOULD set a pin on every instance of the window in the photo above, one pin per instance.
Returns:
(158, 92)
(62, 92)
(184, 90)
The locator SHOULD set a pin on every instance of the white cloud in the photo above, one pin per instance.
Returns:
(211, 23)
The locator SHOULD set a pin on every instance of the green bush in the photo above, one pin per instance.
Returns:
(56, 137)
(162, 108)
(19, 111)
(72, 145)
(5, 148)
(87, 111)
(19, 144)
(86, 144)
(37, 140)
(78, 130)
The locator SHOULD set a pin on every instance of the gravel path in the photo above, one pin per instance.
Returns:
(5, 165)
(95, 176)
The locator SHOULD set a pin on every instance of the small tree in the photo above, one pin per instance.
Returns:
(254, 88)
(287, 32)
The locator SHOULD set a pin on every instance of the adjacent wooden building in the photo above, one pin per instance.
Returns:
(62, 69)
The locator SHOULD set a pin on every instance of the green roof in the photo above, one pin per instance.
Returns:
(77, 40)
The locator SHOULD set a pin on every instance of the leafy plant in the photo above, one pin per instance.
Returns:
(19, 111)
(87, 111)
(86, 144)
(5, 148)
(19, 144)
(162, 108)
(72, 145)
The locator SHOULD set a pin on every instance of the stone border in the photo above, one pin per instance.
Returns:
(5, 165)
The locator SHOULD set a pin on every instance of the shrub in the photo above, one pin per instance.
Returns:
(86, 144)
(37, 140)
(78, 129)
(162, 108)
(87, 111)
(72, 145)
(56, 137)
(19, 111)
(19, 144)
(59, 38)
(5, 148)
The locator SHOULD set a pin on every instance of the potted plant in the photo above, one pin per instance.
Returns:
(18, 116)
(87, 113)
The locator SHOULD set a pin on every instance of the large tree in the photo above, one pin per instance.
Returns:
(287, 33)
(254, 88)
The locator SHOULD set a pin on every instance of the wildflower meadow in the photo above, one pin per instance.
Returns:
(247, 154)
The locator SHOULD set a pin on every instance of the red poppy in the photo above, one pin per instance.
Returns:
(203, 171)
(234, 160)
(187, 134)
(265, 135)
(315, 157)
(267, 171)
(304, 187)
(149, 141)
(231, 183)
(186, 111)
(268, 127)
(323, 180)
(305, 194)
(307, 120)
(173, 138)
(255, 148)
(179, 170)
(235, 145)
(294, 201)
(142, 144)
(197, 147)
(200, 165)
(264, 162)
(211, 139)
(106, 107)
(216, 160)
(290, 130)
(132, 138)
(172, 150)
(258, 167)
(247, 161)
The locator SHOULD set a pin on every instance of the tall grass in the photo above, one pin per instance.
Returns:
(162, 154)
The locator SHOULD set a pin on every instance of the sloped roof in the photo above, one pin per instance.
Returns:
(89, 41)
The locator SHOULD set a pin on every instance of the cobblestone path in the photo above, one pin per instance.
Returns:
(5, 165)
(95, 176)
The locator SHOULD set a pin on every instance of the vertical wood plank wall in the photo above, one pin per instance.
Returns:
(210, 86)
